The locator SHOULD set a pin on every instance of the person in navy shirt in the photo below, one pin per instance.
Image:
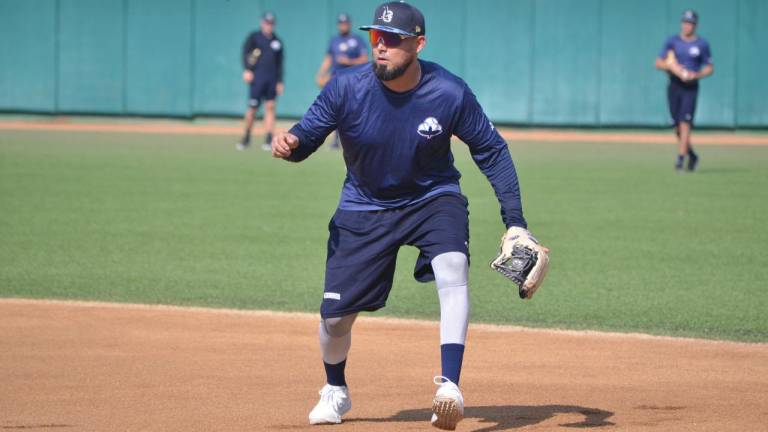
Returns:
(263, 71)
(686, 58)
(344, 50)
(396, 117)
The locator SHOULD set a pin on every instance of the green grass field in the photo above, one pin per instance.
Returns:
(187, 220)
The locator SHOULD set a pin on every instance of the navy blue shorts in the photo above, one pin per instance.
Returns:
(682, 102)
(363, 245)
(261, 90)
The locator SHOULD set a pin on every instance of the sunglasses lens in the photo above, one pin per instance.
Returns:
(389, 40)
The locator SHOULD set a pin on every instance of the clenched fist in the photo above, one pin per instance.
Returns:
(283, 144)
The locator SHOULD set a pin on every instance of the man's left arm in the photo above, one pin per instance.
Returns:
(491, 154)
(279, 64)
(521, 258)
(708, 69)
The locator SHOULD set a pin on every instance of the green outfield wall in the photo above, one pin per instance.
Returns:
(543, 62)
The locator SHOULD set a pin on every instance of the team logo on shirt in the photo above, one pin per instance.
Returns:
(275, 45)
(694, 51)
(343, 47)
(386, 15)
(429, 128)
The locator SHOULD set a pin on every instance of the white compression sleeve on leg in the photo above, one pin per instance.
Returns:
(451, 274)
(336, 338)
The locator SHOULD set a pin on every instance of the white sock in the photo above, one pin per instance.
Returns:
(451, 273)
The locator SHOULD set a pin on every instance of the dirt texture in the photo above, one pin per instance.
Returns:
(75, 366)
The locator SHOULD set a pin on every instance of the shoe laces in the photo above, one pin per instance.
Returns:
(447, 387)
(440, 380)
(333, 396)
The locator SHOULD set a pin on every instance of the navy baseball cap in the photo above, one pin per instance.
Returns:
(398, 17)
(690, 16)
(268, 17)
(343, 18)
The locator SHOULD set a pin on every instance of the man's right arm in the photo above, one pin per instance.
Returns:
(247, 49)
(310, 132)
(666, 61)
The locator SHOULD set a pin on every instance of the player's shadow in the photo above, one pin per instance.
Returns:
(508, 417)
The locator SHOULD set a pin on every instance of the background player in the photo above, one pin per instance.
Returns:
(344, 50)
(396, 118)
(687, 58)
(263, 70)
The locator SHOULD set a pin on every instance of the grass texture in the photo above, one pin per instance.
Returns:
(187, 220)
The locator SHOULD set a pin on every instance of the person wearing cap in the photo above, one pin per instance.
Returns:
(344, 50)
(686, 58)
(396, 117)
(263, 72)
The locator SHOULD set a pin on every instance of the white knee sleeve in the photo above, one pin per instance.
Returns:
(451, 273)
(336, 338)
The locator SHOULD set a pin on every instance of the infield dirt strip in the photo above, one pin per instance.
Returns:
(106, 367)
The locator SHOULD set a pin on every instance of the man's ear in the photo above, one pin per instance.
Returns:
(421, 42)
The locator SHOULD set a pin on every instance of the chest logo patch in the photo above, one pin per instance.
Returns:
(429, 128)
(275, 45)
(694, 51)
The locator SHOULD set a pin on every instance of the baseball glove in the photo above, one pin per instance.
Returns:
(523, 260)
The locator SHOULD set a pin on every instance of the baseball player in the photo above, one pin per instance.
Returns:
(686, 58)
(396, 117)
(263, 71)
(344, 50)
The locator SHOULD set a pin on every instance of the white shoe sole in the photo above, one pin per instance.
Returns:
(447, 412)
(323, 421)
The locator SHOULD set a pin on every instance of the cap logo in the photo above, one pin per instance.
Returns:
(417, 29)
(386, 15)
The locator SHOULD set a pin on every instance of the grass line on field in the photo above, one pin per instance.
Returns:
(512, 134)
(368, 318)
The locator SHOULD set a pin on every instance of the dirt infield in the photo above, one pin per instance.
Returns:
(104, 367)
(511, 134)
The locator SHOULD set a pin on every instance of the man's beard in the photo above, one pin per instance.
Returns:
(385, 74)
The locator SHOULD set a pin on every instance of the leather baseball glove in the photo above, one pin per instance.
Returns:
(523, 260)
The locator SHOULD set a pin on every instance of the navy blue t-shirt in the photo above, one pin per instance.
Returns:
(397, 145)
(349, 45)
(692, 55)
(263, 56)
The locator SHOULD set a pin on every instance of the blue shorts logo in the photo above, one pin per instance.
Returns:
(332, 296)
(429, 128)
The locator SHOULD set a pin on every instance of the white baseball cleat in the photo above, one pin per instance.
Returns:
(448, 404)
(334, 403)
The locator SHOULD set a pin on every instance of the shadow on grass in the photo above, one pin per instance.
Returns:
(507, 417)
